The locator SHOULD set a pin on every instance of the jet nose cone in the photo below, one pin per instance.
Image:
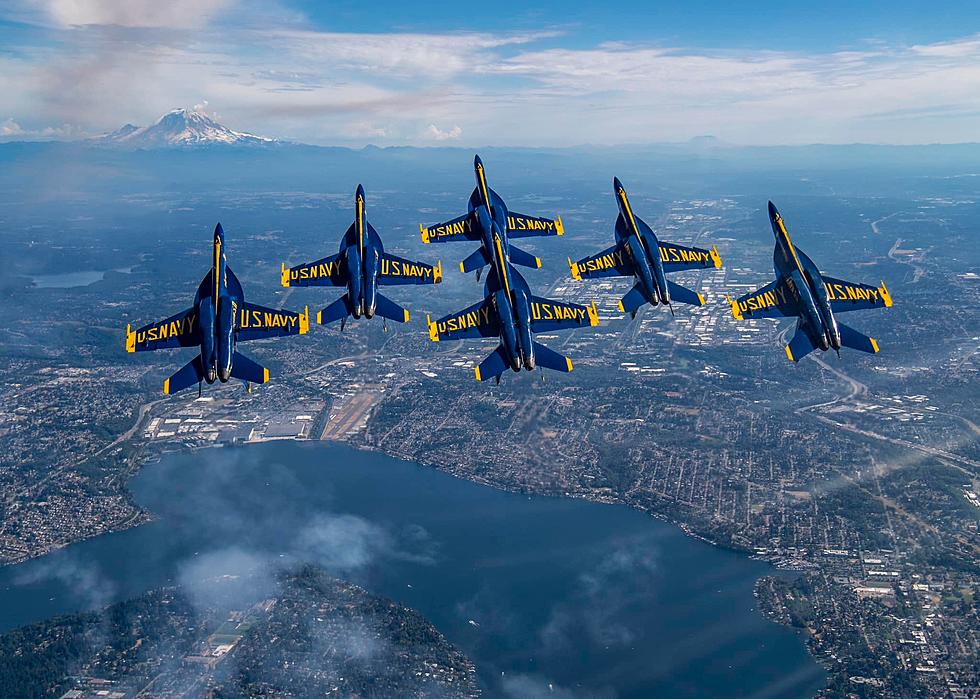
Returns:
(477, 162)
(360, 192)
(219, 232)
(773, 212)
(617, 185)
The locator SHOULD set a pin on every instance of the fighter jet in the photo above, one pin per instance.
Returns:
(638, 254)
(361, 265)
(801, 290)
(509, 311)
(219, 319)
(489, 222)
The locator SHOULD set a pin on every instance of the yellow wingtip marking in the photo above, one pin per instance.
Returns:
(319, 317)
(304, 321)
(130, 339)
(622, 308)
(736, 313)
(284, 278)
(700, 299)
(789, 353)
(265, 375)
(407, 315)
(166, 387)
(437, 275)
(885, 295)
(715, 256)
(559, 226)
(573, 266)
(593, 315)
(433, 330)
(569, 363)
(476, 370)
(874, 344)
(425, 233)
(537, 260)
(461, 268)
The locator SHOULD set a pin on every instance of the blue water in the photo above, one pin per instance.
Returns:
(71, 280)
(596, 599)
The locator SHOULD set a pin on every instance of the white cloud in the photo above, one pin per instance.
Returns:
(176, 14)
(9, 127)
(434, 133)
(510, 88)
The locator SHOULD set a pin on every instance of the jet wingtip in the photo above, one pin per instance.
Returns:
(573, 266)
(559, 226)
(885, 295)
(715, 256)
(736, 313)
(166, 387)
(568, 363)
(874, 345)
(304, 320)
(284, 276)
(437, 275)
(130, 339)
(407, 315)
(476, 370)
(789, 353)
(425, 234)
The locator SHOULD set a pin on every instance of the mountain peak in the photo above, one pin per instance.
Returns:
(180, 128)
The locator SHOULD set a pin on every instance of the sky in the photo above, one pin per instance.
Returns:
(505, 73)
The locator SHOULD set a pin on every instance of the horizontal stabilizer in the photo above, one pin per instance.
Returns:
(188, 375)
(682, 294)
(800, 346)
(849, 337)
(633, 300)
(245, 369)
(478, 260)
(493, 366)
(386, 308)
(337, 310)
(549, 359)
(524, 259)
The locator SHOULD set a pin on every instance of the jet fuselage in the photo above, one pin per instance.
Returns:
(216, 318)
(807, 286)
(644, 251)
(514, 312)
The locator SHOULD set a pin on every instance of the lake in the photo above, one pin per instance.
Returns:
(71, 280)
(594, 600)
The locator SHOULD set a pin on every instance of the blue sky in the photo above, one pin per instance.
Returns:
(505, 73)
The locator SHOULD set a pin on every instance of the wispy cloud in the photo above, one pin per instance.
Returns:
(101, 63)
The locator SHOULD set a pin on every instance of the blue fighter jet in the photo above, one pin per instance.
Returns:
(638, 254)
(219, 319)
(509, 311)
(361, 265)
(800, 290)
(489, 222)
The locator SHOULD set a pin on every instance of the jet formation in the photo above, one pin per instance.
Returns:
(509, 311)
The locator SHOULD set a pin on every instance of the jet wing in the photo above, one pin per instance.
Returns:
(255, 322)
(676, 258)
(330, 271)
(548, 315)
(524, 226)
(771, 301)
(178, 330)
(460, 228)
(398, 270)
(478, 320)
(852, 296)
(611, 262)
(206, 288)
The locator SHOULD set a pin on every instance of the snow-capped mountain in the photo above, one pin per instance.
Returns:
(180, 128)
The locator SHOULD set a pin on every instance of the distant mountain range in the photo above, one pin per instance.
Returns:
(180, 128)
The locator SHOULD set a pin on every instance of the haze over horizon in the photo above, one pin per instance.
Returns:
(509, 75)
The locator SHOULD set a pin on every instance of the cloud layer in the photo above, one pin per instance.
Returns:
(98, 64)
